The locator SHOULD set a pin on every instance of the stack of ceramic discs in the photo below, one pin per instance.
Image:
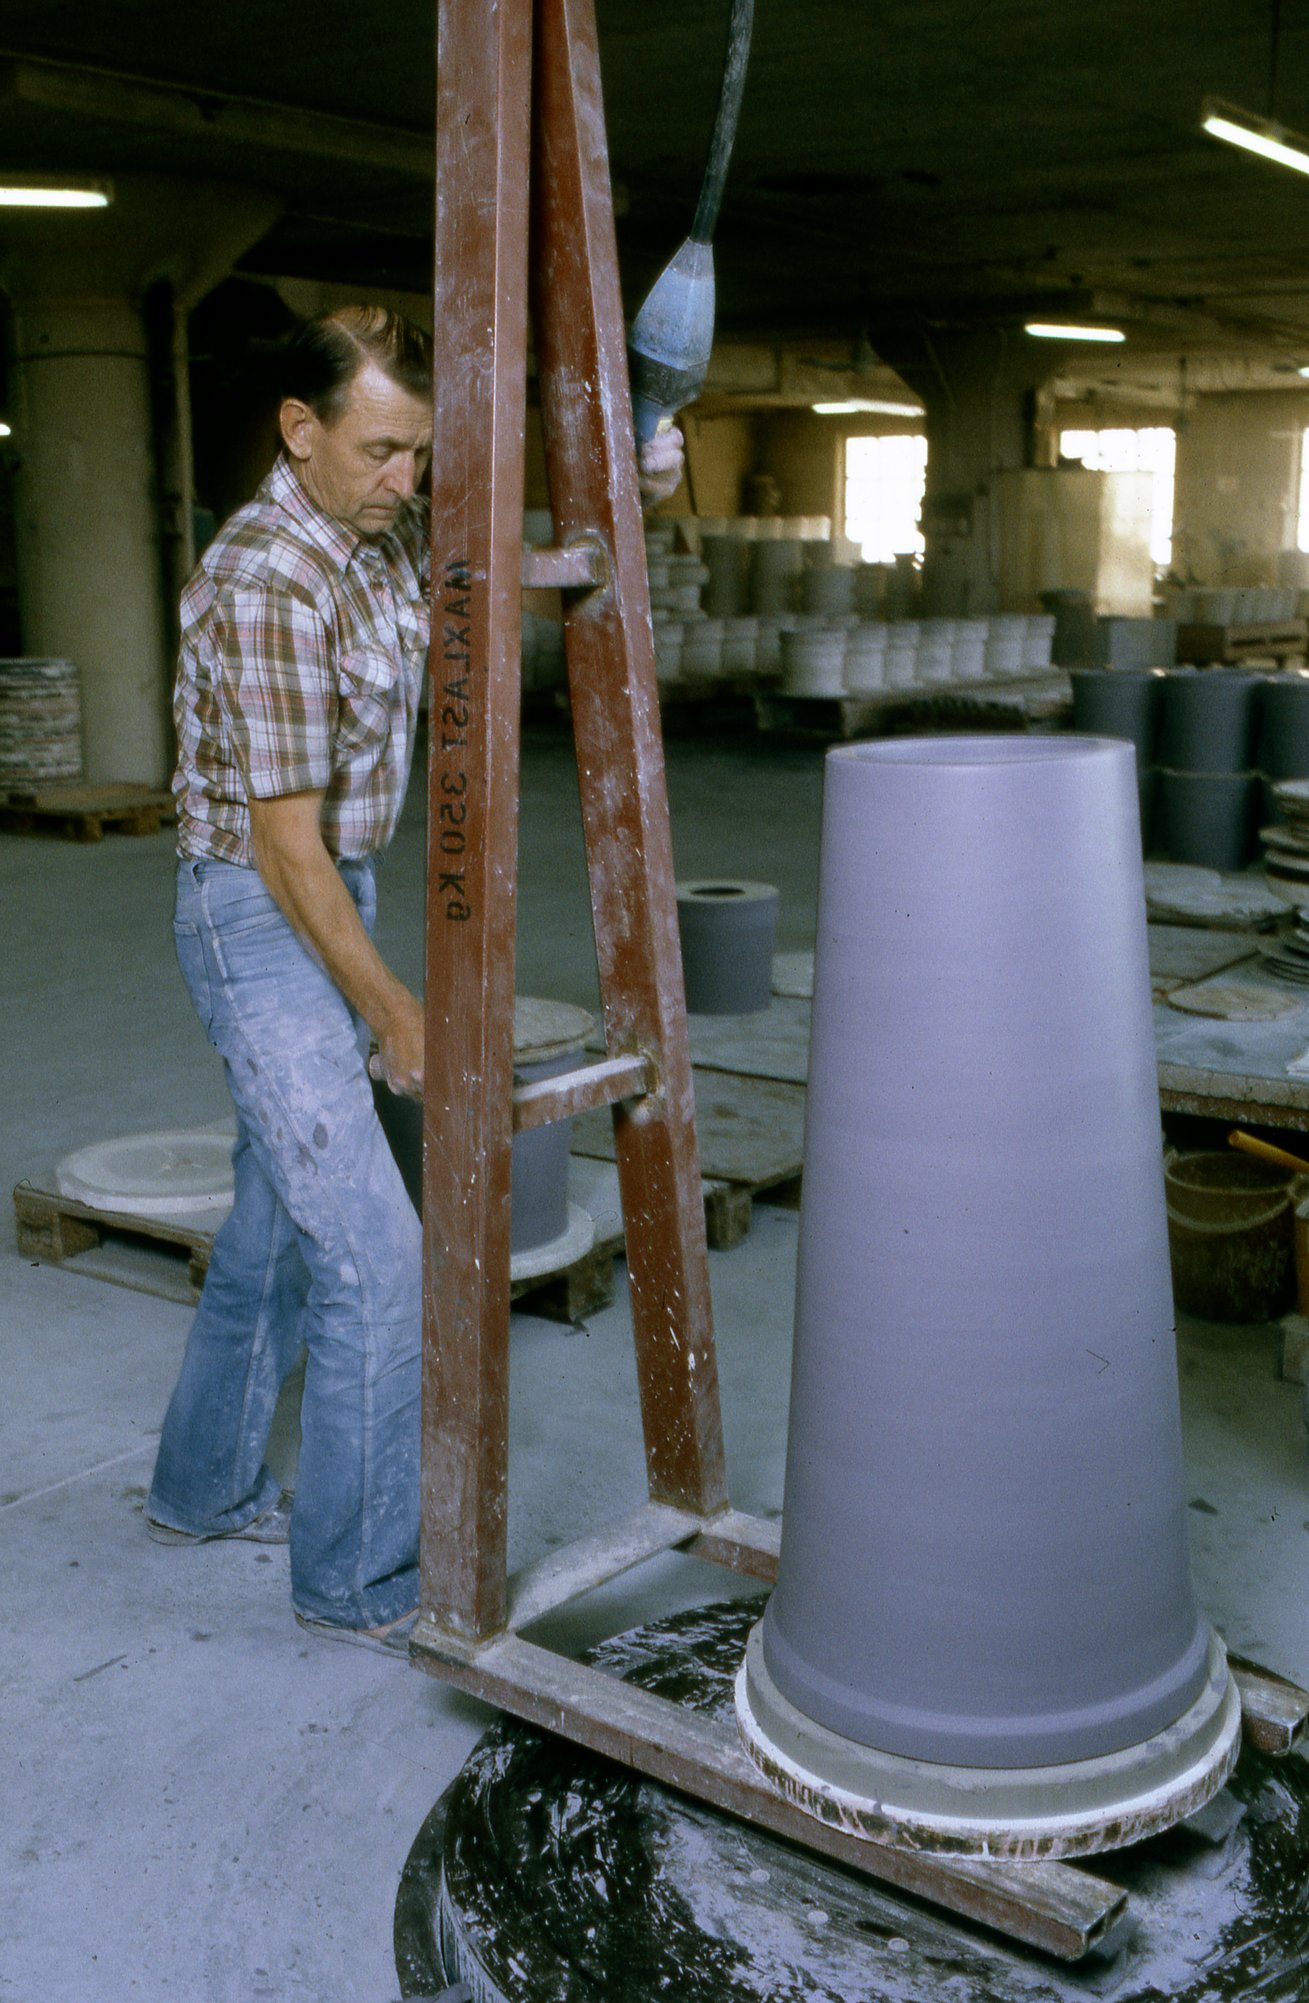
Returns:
(40, 722)
(1286, 866)
(1288, 955)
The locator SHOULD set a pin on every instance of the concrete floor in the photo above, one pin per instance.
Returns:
(199, 1802)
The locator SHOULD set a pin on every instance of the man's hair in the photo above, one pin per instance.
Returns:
(324, 355)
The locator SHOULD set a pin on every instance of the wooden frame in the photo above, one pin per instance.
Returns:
(500, 107)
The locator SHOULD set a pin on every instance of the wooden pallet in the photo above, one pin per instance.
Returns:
(1021, 702)
(751, 1139)
(153, 1256)
(1280, 640)
(85, 813)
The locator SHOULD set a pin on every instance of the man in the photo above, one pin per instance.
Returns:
(304, 642)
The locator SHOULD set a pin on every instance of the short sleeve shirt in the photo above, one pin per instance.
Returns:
(302, 656)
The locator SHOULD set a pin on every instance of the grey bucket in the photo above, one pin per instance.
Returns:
(1231, 1236)
(984, 1545)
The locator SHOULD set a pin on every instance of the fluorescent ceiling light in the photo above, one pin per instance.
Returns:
(5, 430)
(51, 195)
(1255, 135)
(1051, 330)
(860, 405)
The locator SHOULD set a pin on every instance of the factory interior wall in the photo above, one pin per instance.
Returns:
(803, 454)
(1238, 471)
(721, 451)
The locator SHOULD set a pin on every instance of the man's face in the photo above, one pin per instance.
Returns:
(361, 466)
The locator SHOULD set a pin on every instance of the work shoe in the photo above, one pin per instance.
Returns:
(391, 1639)
(273, 1527)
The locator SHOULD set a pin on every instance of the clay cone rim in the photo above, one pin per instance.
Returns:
(1073, 1810)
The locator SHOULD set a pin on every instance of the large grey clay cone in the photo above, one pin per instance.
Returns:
(984, 1559)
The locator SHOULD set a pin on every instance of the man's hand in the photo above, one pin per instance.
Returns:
(298, 872)
(660, 465)
(400, 1048)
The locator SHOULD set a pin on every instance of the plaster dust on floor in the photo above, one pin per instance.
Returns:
(200, 1802)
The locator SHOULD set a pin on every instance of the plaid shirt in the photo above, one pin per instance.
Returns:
(302, 658)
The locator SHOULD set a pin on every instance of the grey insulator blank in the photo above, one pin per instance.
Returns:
(729, 932)
(984, 1556)
(1209, 720)
(1207, 818)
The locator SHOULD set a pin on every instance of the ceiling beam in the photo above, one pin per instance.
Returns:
(203, 115)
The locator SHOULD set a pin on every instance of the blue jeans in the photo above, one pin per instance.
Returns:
(322, 1248)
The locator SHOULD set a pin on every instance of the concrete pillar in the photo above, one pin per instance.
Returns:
(89, 581)
(91, 573)
(981, 390)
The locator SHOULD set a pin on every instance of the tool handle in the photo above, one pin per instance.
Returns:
(1265, 1150)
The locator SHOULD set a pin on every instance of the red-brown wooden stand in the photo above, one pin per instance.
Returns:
(502, 107)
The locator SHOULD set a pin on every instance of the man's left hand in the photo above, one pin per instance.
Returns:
(660, 465)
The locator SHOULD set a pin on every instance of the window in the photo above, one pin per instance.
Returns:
(884, 481)
(1152, 449)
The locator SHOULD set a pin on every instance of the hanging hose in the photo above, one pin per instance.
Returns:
(725, 120)
(673, 334)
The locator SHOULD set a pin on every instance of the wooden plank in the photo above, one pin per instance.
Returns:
(1273, 1711)
(1063, 1911)
(63, 1227)
(591, 470)
(774, 1043)
(77, 797)
(574, 1292)
(153, 1256)
(480, 333)
(85, 823)
(728, 1214)
(1282, 638)
(1234, 1095)
(751, 1130)
(1192, 952)
(592, 1561)
(583, 563)
(740, 1543)
(570, 1093)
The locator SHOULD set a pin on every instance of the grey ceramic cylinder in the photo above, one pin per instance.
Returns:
(727, 560)
(1210, 721)
(1284, 739)
(984, 1557)
(728, 929)
(549, 1038)
(1207, 818)
(1119, 702)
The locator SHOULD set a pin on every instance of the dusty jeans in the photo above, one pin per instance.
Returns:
(322, 1248)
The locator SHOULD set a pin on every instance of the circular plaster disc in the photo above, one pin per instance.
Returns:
(546, 1030)
(548, 1875)
(573, 1242)
(793, 974)
(1074, 1810)
(1232, 1001)
(1185, 894)
(168, 1174)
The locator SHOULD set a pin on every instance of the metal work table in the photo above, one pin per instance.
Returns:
(1221, 1069)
